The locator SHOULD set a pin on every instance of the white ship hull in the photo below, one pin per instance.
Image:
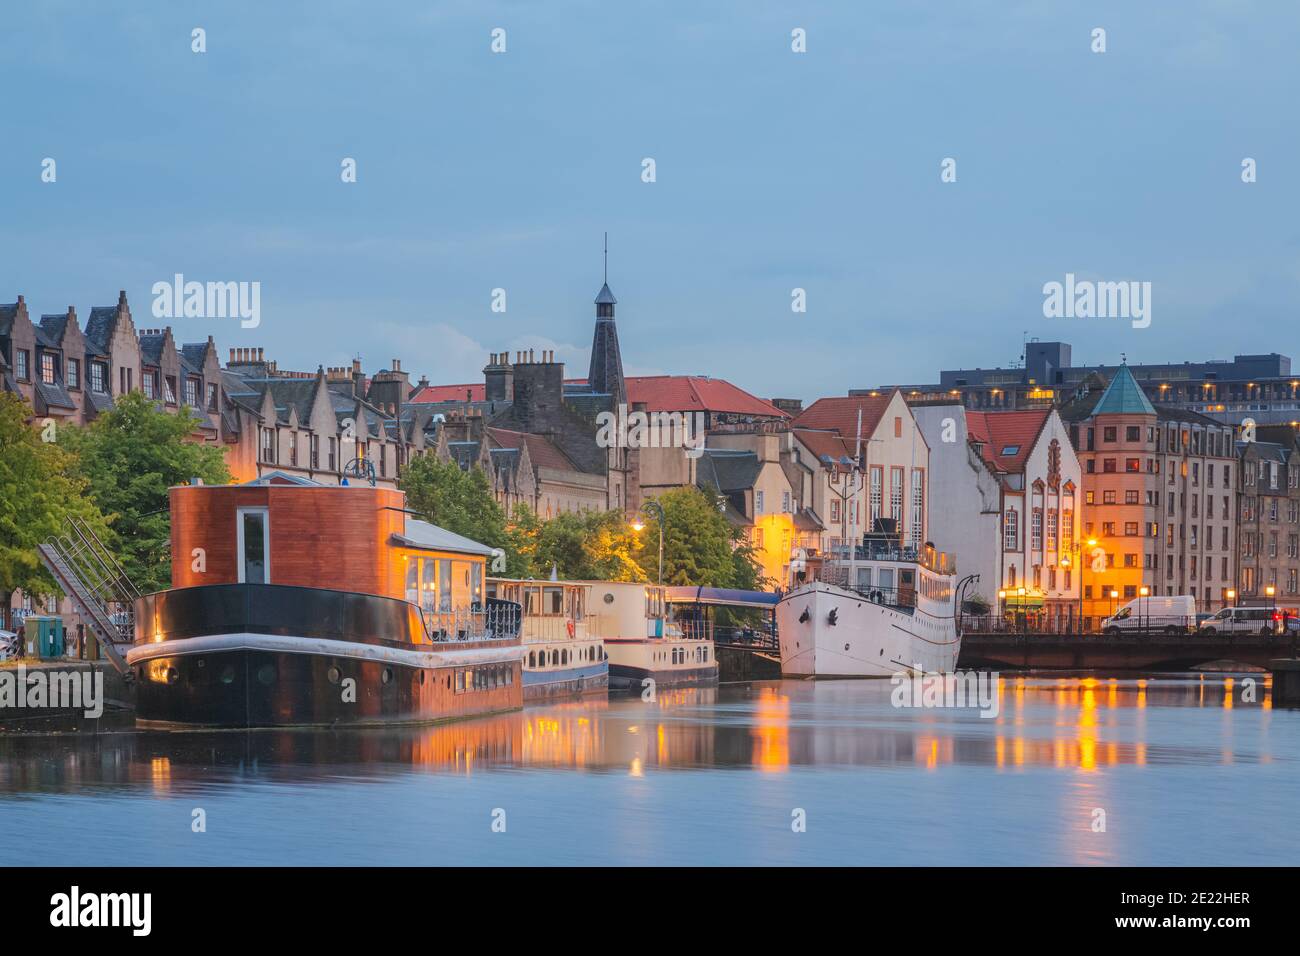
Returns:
(867, 639)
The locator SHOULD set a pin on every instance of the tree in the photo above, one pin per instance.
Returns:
(38, 492)
(588, 546)
(460, 501)
(700, 546)
(128, 457)
(523, 532)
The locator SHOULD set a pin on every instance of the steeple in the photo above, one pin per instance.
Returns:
(606, 373)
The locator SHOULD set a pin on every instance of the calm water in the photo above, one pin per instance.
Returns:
(1186, 772)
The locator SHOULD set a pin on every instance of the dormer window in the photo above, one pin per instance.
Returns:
(48, 366)
(1009, 450)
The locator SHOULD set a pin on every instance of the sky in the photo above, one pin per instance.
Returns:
(774, 171)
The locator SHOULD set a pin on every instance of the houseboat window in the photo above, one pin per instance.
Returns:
(532, 601)
(476, 582)
(444, 581)
(553, 601)
(576, 602)
(413, 581)
(254, 546)
(460, 681)
(429, 586)
(864, 579)
(510, 676)
(532, 658)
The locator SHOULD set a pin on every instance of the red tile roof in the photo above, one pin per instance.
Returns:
(696, 393)
(543, 452)
(999, 431)
(826, 443)
(841, 414)
(451, 393)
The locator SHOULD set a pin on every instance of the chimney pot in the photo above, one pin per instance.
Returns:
(21, 300)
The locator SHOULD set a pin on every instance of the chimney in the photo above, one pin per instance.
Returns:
(499, 377)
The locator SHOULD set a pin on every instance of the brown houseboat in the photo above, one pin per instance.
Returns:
(295, 603)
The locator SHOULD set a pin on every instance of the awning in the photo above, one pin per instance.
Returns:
(721, 597)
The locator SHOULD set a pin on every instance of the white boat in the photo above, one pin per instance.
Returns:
(644, 643)
(563, 655)
(877, 610)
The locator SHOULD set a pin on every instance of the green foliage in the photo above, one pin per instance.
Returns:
(38, 491)
(128, 458)
(522, 533)
(460, 501)
(700, 546)
(588, 546)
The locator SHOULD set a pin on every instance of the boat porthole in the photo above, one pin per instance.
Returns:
(387, 675)
(201, 662)
(421, 678)
(846, 647)
(228, 675)
(334, 675)
(173, 675)
(266, 674)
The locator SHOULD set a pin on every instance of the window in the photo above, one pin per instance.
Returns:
(334, 454)
(98, 377)
(1132, 464)
(125, 380)
(877, 483)
(74, 373)
(1132, 433)
(835, 511)
(1108, 497)
(22, 364)
(254, 546)
(785, 502)
(149, 383)
(191, 391)
(1009, 450)
(1037, 529)
(314, 450)
(896, 497)
(1109, 433)
(170, 389)
(48, 365)
(918, 507)
(1052, 518)
(1010, 530)
(1108, 466)
(212, 397)
(758, 502)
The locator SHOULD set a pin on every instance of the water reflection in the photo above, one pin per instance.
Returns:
(1078, 724)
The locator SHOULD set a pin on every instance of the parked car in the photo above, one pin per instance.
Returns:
(1243, 620)
(10, 645)
(1173, 614)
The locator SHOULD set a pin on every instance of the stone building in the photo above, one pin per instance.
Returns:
(1268, 532)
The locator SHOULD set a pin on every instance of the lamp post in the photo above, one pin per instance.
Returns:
(1002, 605)
(1076, 550)
(657, 510)
(1143, 591)
(1271, 591)
(1020, 593)
(1114, 601)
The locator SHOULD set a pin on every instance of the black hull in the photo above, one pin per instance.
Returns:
(252, 688)
(624, 678)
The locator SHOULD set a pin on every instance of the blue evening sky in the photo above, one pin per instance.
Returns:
(774, 170)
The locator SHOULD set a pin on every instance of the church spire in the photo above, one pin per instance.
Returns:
(606, 374)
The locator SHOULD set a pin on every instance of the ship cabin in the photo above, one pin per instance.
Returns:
(885, 572)
(407, 579)
(564, 653)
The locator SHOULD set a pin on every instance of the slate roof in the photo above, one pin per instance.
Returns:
(543, 452)
(151, 348)
(100, 325)
(727, 470)
(53, 327)
(827, 443)
(7, 314)
(422, 534)
(55, 396)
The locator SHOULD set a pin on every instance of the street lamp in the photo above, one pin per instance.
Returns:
(1024, 623)
(1114, 601)
(1143, 591)
(657, 511)
(1271, 592)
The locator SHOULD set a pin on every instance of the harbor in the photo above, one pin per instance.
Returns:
(700, 776)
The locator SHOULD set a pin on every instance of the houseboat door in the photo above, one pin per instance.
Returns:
(253, 532)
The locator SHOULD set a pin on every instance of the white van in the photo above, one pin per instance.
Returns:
(1242, 620)
(1175, 614)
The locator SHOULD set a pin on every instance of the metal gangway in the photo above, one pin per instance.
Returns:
(97, 586)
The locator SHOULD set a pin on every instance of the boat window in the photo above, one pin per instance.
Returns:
(476, 583)
(444, 585)
(532, 658)
(254, 546)
(554, 601)
(864, 579)
(413, 580)
(532, 601)
(429, 585)
(460, 682)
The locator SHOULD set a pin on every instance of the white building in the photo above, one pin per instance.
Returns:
(968, 495)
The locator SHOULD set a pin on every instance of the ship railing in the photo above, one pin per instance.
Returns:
(494, 620)
(876, 594)
(695, 630)
(941, 562)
